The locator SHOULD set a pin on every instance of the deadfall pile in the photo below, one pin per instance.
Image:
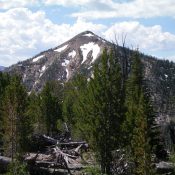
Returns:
(56, 155)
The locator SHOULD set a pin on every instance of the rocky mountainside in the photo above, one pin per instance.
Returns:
(2, 68)
(62, 62)
(80, 53)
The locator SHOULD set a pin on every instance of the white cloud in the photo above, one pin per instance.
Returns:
(171, 58)
(24, 33)
(132, 9)
(93, 9)
(149, 39)
(7, 4)
(68, 2)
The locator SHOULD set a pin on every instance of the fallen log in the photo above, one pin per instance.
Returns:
(72, 143)
(52, 171)
(48, 171)
(46, 164)
(56, 153)
(44, 141)
(56, 142)
(50, 139)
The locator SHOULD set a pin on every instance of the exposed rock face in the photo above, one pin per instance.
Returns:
(62, 62)
(80, 54)
(2, 68)
(160, 77)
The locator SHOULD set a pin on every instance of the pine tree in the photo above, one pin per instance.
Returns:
(133, 90)
(138, 124)
(34, 112)
(4, 82)
(51, 105)
(15, 125)
(99, 110)
(74, 96)
(140, 147)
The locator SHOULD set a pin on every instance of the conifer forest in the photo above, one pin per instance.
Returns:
(104, 124)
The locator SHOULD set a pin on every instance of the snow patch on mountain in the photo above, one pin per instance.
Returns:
(88, 34)
(42, 70)
(67, 73)
(96, 51)
(24, 77)
(38, 58)
(72, 54)
(65, 63)
(61, 48)
(86, 48)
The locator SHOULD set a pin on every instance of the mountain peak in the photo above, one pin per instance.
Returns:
(62, 62)
(84, 35)
(87, 32)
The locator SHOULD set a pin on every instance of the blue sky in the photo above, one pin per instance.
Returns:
(28, 27)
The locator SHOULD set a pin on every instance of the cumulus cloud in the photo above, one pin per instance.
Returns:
(150, 39)
(24, 33)
(171, 58)
(68, 2)
(132, 9)
(92, 4)
(93, 9)
(85, 4)
(7, 4)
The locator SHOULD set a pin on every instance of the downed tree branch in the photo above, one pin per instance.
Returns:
(56, 153)
(71, 143)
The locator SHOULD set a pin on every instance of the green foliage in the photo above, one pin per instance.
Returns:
(140, 142)
(34, 112)
(97, 108)
(139, 119)
(93, 171)
(172, 159)
(17, 168)
(51, 105)
(16, 125)
(107, 110)
(4, 82)
(74, 96)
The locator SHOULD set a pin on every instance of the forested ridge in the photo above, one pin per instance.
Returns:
(112, 111)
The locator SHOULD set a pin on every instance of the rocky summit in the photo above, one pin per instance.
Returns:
(62, 62)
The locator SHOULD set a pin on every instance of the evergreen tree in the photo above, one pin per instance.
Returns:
(74, 95)
(4, 82)
(15, 124)
(133, 90)
(140, 147)
(51, 105)
(138, 124)
(99, 110)
(34, 112)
